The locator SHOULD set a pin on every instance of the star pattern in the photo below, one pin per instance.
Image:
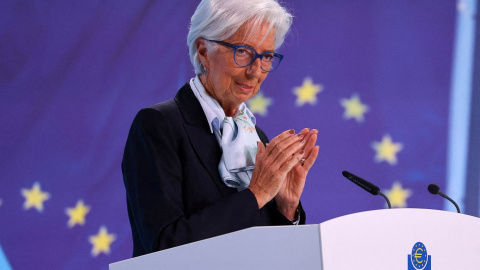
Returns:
(386, 150)
(34, 197)
(398, 195)
(354, 108)
(101, 241)
(77, 214)
(307, 92)
(259, 104)
(352, 100)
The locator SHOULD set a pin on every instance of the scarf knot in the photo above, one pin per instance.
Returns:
(236, 136)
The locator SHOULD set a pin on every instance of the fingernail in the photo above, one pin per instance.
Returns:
(291, 131)
(300, 135)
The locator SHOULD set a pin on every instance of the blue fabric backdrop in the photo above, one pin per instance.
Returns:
(372, 76)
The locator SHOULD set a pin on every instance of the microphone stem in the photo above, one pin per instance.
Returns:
(386, 199)
(448, 198)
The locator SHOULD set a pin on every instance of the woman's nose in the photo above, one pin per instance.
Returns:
(255, 69)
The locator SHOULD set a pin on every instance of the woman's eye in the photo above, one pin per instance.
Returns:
(268, 57)
(241, 51)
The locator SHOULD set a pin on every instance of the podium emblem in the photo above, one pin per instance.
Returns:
(419, 258)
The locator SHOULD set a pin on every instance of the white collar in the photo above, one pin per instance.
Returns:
(212, 109)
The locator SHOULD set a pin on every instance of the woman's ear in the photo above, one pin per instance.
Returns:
(202, 52)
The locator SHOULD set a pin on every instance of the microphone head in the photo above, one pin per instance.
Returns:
(434, 189)
(369, 187)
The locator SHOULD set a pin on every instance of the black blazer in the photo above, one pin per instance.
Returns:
(174, 192)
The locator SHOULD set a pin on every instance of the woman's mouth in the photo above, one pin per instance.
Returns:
(245, 88)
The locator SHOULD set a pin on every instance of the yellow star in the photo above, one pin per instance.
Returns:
(259, 104)
(101, 242)
(397, 195)
(307, 93)
(34, 197)
(354, 108)
(77, 214)
(387, 150)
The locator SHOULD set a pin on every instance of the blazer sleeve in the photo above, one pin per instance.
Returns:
(153, 177)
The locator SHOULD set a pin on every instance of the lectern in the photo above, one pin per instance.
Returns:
(382, 239)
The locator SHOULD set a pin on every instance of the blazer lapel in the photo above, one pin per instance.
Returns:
(203, 141)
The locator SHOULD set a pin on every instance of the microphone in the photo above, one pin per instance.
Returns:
(371, 188)
(434, 189)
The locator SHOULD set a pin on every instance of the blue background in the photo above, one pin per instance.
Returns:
(74, 74)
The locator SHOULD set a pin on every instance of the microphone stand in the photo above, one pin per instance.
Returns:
(386, 199)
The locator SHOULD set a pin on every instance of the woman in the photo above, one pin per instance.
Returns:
(188, 161)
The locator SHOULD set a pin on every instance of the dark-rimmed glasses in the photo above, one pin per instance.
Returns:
(244, 56)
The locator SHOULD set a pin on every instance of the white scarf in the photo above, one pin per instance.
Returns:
(236, 136)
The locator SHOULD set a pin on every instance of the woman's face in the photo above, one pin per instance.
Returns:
(229, 83)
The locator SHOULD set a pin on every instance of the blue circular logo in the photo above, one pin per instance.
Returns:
(419, 255)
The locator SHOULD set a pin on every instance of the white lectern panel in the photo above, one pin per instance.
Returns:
(383, 239)
(276, 247)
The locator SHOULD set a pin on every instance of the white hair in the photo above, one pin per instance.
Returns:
(220, 19)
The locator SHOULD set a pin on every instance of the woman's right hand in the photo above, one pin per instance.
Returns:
(273, 163)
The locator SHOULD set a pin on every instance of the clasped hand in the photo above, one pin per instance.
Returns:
(278, 172)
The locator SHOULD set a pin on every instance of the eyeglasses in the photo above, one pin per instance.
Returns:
(244, 56)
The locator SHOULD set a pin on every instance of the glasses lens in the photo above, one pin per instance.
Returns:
(244, 56)
(270, 61)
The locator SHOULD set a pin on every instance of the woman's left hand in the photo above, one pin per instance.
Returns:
(288, 197)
